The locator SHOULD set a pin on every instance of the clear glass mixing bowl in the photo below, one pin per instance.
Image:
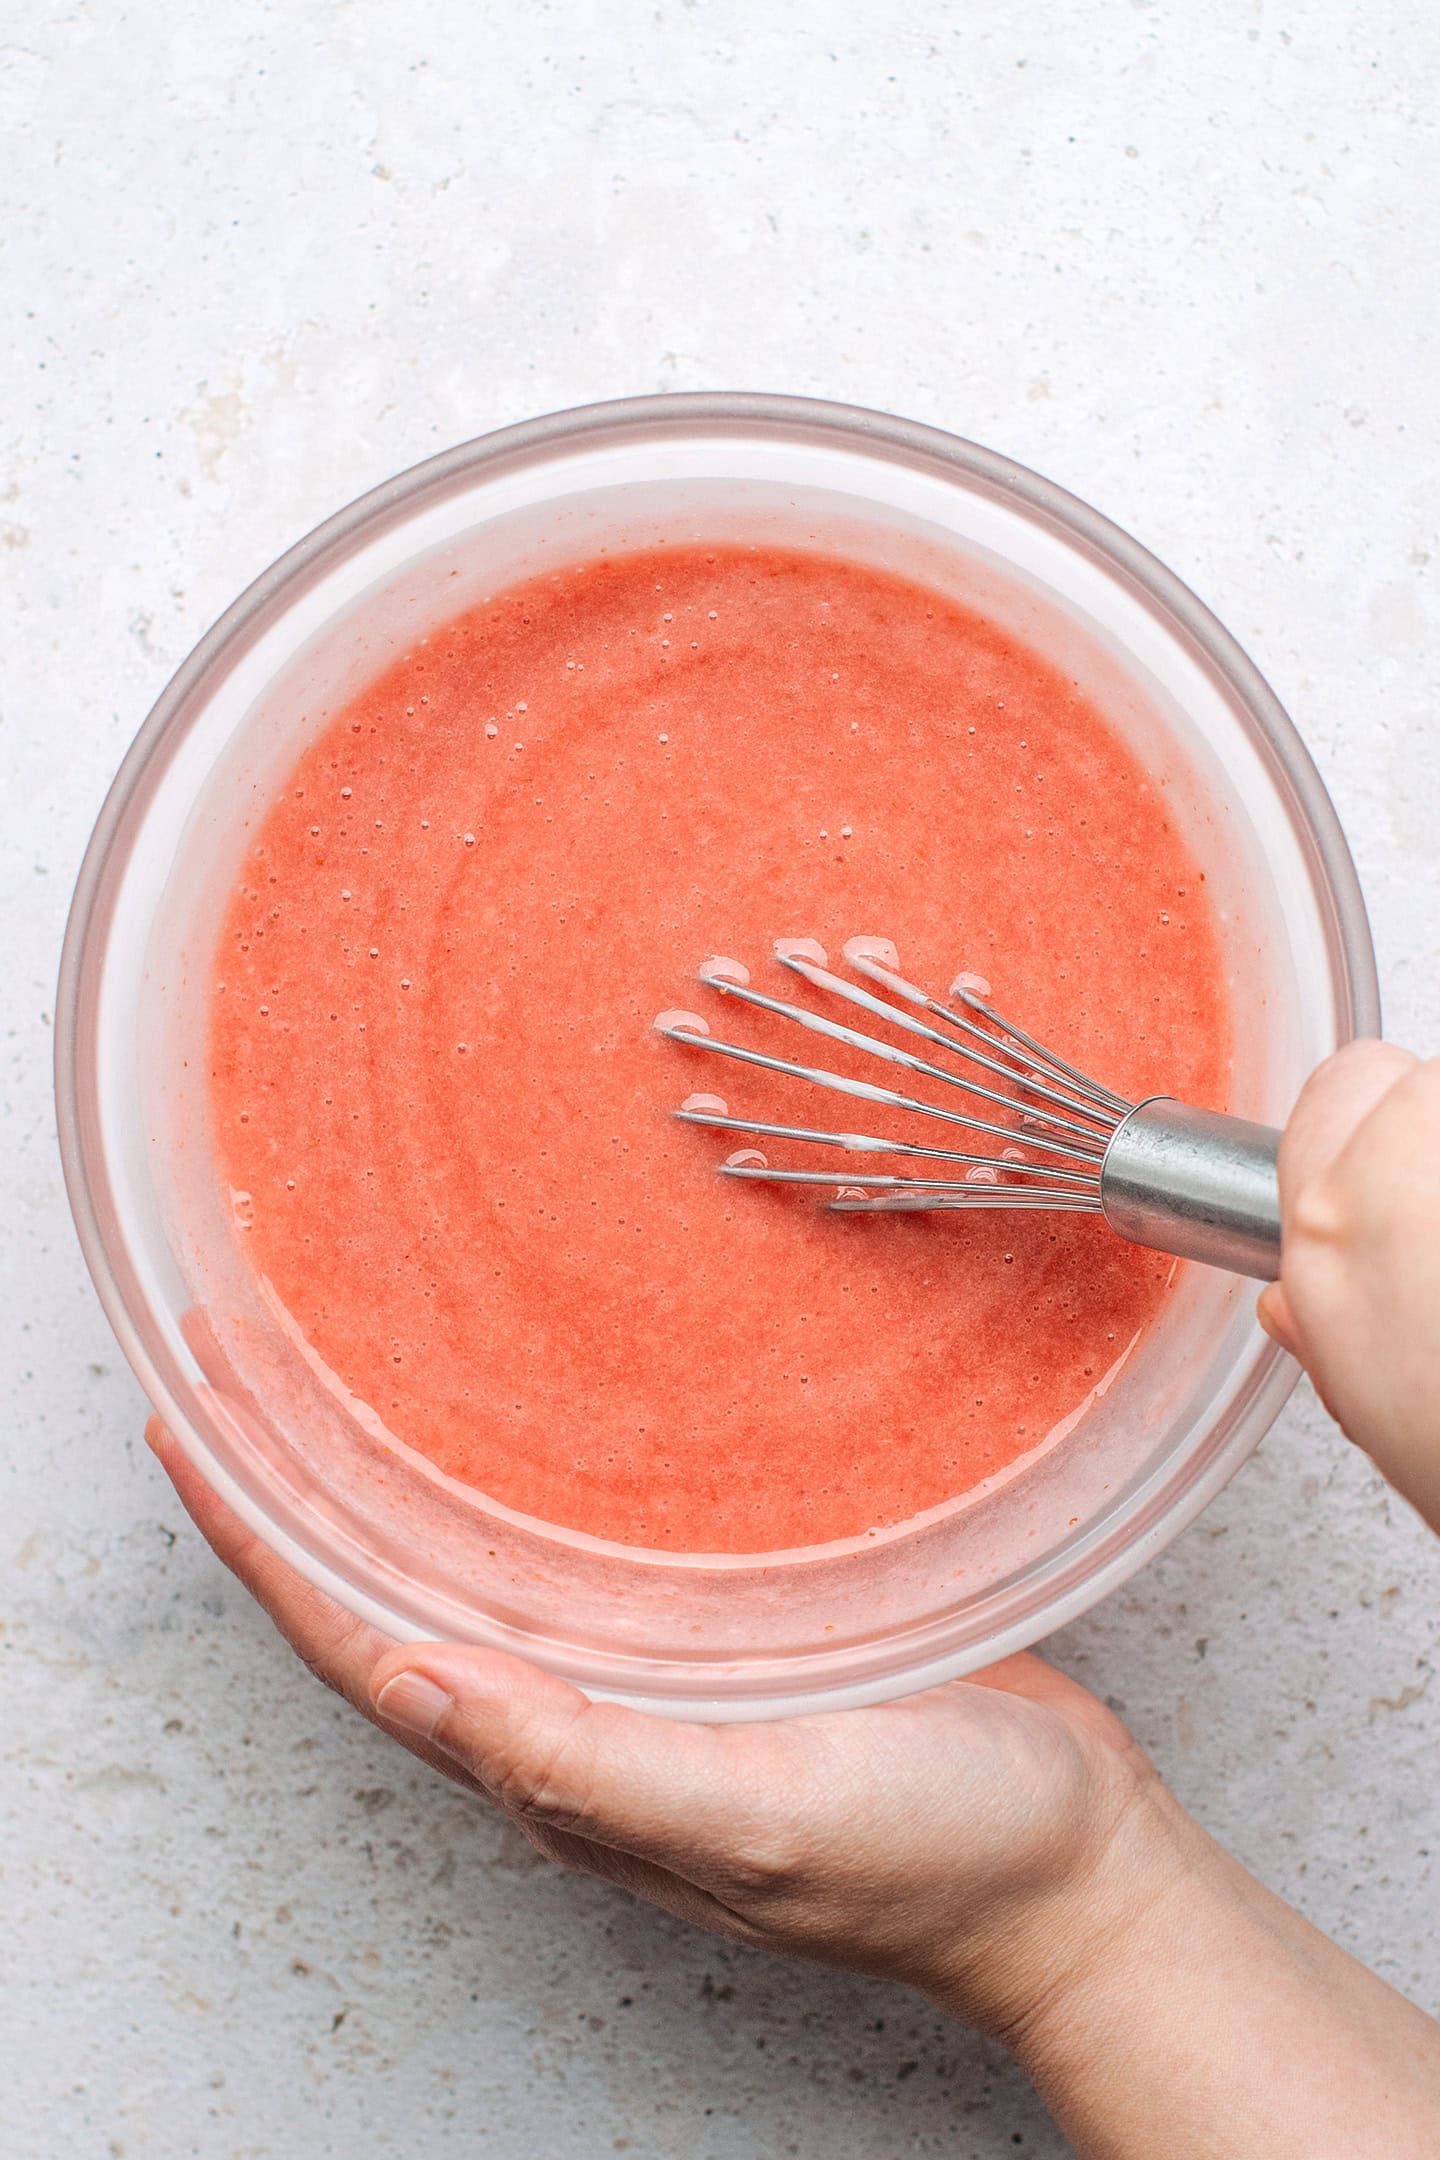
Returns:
(306, 1466)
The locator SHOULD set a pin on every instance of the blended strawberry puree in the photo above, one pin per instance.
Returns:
(435, 1075)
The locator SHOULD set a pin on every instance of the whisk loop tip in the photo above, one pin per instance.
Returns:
(788, 950)
(877, 959)
(717, 970)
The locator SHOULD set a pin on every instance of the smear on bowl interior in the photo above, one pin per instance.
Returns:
(435, 1074)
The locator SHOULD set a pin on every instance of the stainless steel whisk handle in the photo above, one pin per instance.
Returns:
(1197, 1184)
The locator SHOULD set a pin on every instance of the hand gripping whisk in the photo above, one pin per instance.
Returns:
(1179, 1180)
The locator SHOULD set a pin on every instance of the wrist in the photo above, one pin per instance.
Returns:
(1189, 2011)
(1031, 1977)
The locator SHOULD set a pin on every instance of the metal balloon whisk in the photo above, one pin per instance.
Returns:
(1034, 1131)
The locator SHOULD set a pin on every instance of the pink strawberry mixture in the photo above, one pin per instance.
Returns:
(434, 1072)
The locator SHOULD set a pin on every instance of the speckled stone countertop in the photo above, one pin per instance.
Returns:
(1179, 254)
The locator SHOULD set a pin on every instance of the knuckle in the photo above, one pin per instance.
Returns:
(522, 1791)
(767, 1862)
(1318, 1217)
(317, 1667)
(534, 1787)
(335, 1664)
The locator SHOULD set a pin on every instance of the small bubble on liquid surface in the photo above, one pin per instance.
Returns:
(690, 1022)
(491, 730)
(718, 969)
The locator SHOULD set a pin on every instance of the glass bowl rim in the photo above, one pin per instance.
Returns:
(855, 429)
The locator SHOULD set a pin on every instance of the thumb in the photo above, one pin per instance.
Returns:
(670, 1793)
(1334, 1102)
(1338, 1097)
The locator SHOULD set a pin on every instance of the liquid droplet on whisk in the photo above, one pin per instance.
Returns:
(802, 948)
(713, 1105)
(718, 969)
(747, 1158)
(690, 1022)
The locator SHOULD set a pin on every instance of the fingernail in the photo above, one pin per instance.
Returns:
(414, 1703)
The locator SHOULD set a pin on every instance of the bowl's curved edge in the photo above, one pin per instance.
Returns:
(720, 412)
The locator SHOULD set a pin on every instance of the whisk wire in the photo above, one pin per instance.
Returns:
(866, 1143)
(1029, 1072)
(1115, 1106)
(892, 1190)
(853, 1039)
(1012, 1198)
(867, 1091)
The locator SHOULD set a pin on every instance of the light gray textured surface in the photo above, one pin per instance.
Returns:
(1181, 255)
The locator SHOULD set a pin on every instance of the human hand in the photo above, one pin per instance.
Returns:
(980, 1840)
(1000, 1843)
(1358, 1300)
